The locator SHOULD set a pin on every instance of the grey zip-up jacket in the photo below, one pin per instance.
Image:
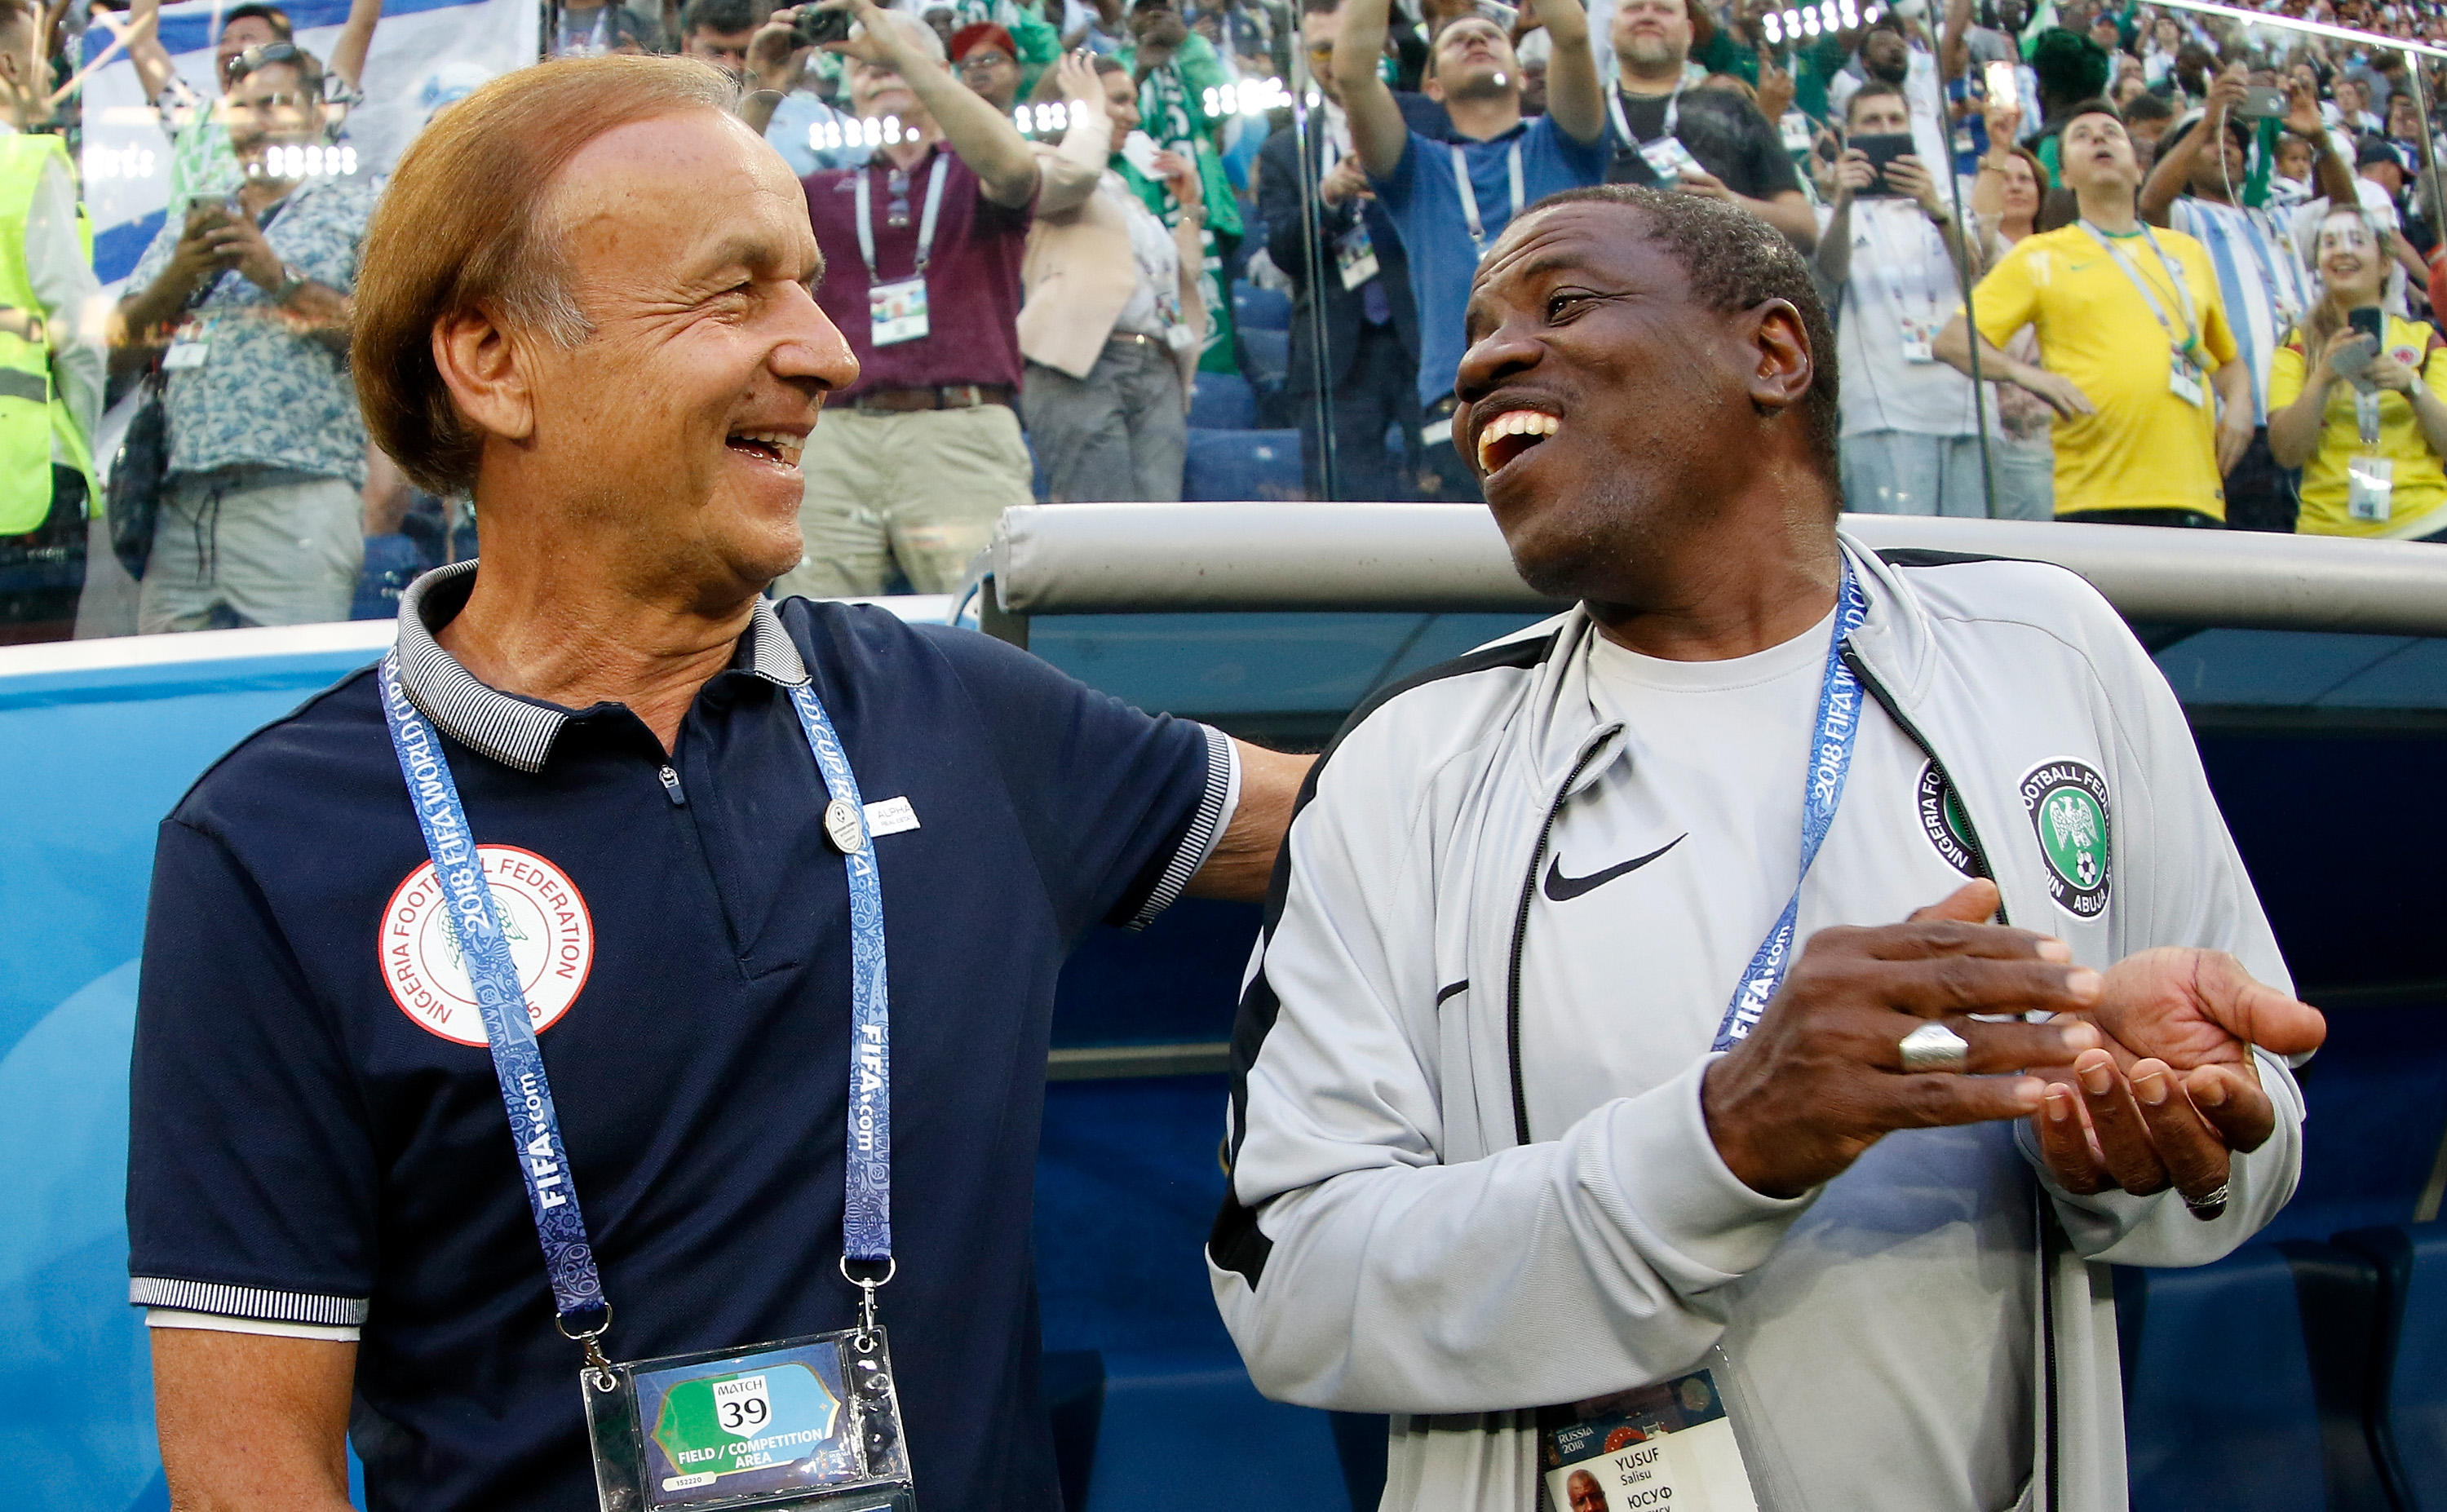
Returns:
(1389, 1245)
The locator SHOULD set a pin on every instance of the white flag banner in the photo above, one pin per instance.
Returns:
(425, 54)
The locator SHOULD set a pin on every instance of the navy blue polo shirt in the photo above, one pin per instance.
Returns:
(317, 1138)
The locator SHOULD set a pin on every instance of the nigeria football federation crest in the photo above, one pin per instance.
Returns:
(551, 938)
(2067, 802)
(1942, 821)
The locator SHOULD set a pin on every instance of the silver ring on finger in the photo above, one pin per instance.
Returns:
(2210, 1205)
(1934, 1048)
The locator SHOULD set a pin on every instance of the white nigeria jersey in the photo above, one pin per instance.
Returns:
(1662, 882)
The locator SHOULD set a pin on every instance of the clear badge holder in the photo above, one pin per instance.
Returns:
(811, 1422)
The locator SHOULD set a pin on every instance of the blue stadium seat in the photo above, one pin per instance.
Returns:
(2409, 1422)
(1266, 356)
(1256, 309)
(1231, 465)
(1224, 400)
(2245, 1381)
(1185, 1432)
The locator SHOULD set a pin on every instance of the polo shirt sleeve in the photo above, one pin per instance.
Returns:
(1397, 189)
(1120, 808)
(251, 1173)
(1583, 162)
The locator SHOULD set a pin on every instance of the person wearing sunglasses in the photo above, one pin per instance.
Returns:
(243, 301)
(201, 163)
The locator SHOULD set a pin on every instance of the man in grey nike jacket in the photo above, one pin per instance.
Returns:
(1497, 1143)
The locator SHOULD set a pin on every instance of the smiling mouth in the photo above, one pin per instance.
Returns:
(1511, 433)
(780, 448)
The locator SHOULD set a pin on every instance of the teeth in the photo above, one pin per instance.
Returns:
(1512, 423)
(781, 441)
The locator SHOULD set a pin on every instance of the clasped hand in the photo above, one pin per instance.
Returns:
(2141, 1079)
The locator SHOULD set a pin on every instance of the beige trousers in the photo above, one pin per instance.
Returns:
(922, 489)
(252, 546)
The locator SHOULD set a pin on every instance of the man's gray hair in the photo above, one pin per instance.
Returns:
(926, 37)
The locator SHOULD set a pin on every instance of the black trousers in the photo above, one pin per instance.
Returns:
(2259, 494)
(1380, 390)
(2192, 518)
(42, 571)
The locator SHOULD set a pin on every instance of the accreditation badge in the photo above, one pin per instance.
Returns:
(1669, 160)
(1355, 255)
(1657, 1449)
(897, 312)
(810, 1422)
(2185, 379)
(2370, 489)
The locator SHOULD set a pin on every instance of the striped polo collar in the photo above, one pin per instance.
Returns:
(511, 729)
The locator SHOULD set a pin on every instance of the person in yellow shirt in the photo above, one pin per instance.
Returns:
(2134, 345)
(2367, 420)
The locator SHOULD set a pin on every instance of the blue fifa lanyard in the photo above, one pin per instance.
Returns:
(1830, 759)
(518, 1063)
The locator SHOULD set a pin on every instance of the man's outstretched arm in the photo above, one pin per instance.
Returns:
(1377, 130)
(1242, 861)
(250, 1423)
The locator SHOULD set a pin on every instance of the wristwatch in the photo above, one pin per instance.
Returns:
(291, 281)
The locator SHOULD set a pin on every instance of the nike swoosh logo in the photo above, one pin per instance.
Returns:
(1562, 889)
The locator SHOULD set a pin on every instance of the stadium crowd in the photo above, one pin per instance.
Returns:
(2116, 263)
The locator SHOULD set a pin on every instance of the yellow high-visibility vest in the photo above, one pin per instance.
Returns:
(30, 411)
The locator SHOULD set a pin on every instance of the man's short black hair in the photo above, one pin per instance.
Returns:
(721, 17)
(1320, 8)
(1736, 262)
(2147, 107)
(272, 15)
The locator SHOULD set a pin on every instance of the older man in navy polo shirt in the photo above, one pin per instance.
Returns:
(587, 299)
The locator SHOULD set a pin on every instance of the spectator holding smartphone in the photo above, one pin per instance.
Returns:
(922, 246)
(2364, 417)
(201, 163)
(245, 301)
(1892, 264)
(2197, 188)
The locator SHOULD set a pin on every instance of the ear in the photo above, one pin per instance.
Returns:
(488, 373)
(1784, 368)
(1433, 88)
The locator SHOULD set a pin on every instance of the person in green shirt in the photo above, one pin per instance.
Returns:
(1178, 73)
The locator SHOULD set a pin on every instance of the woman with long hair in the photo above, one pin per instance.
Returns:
(2364, 419)
(2005, 208)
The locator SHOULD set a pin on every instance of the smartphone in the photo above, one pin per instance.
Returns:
(2262, 102)
(1882, 148)
(2004, 85)
(813, 29)
(2368, 321)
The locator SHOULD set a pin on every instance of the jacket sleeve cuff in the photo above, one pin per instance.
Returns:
(1674, 1188)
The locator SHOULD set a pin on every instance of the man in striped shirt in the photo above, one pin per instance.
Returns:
(2197, 188)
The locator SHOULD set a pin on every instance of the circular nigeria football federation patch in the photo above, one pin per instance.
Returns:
(552, 943)
(2067, 802)
(1942, 821)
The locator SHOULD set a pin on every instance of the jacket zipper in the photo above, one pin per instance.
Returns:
(1520, 938)
(2049, 1430)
